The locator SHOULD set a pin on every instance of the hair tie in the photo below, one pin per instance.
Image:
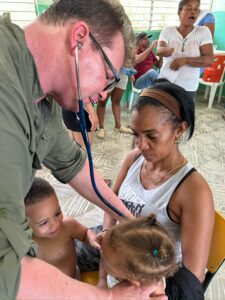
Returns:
(155, 252)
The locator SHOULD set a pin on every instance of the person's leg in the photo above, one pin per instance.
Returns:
(116, 97)
(101, 106)
(146, 80)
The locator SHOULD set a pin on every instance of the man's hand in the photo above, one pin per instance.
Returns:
(125, 290)
(159, 297)
(177, 63)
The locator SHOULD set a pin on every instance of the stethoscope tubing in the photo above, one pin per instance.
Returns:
(83, 127)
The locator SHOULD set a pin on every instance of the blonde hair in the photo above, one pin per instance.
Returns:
(145, 248)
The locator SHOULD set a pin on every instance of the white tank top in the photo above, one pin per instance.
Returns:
(142, 202)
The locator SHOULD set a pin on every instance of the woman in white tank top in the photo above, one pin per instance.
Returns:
(157, 178)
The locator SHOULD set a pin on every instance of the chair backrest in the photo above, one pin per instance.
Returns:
(215, 72)
(217, 251)
(89, 277)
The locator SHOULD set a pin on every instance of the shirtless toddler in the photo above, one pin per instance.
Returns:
(54, 233)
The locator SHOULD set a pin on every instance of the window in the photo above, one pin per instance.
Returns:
(22, 12)
(155, 14)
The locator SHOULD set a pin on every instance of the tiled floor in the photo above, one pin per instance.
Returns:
(206, 151)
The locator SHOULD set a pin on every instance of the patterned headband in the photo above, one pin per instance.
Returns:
(164, 98)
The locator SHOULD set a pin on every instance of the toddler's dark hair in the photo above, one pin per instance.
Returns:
(39, 191)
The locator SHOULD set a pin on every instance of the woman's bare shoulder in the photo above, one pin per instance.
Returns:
(194, 190)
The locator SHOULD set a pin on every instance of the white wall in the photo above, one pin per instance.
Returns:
(21, 11)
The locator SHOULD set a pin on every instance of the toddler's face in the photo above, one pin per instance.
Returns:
(111, 260)
(45, 217)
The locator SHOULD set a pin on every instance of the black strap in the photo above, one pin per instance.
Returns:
(185, 176)
(179, 183)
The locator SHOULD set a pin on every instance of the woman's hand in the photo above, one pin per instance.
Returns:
(177, 63)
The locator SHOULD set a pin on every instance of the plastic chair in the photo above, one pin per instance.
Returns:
(213, 86)
(132, 95)
(89, 277)
(213, 78)
(217, 251)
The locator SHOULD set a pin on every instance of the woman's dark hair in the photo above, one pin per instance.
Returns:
(184, 2)
(186, 103)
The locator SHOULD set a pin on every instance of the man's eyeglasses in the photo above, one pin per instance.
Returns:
(108, 62)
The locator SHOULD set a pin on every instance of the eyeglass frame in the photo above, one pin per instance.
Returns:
(114, 82)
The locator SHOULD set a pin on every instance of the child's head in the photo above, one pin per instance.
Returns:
(43, 209)
(139, 250)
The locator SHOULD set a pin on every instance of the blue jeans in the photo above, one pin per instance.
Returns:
(146, 80)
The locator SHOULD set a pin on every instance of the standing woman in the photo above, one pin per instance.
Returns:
(185, 49)
(206, 18)
(156, 177)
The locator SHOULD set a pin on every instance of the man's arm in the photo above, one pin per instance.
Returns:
(82, 184)
(42, 281)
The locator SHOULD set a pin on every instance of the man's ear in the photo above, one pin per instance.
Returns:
(79, 34)
(135, 282)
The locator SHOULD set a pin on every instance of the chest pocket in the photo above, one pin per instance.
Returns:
(46, 132)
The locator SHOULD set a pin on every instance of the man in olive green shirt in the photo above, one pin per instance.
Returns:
(37, 66)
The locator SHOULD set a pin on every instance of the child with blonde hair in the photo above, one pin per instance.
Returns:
(139, 250)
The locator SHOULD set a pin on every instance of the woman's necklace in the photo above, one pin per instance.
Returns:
(158, 180)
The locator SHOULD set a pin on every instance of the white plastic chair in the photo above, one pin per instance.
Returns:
(212, 86)
(132, 95)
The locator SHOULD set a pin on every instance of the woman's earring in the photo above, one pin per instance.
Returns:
(178, 140)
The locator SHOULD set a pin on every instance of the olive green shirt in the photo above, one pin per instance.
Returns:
(30, 134)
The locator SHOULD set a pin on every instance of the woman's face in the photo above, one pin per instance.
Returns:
(154, 134)
(189, 13)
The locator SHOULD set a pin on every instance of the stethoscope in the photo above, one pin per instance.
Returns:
(83, 127)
